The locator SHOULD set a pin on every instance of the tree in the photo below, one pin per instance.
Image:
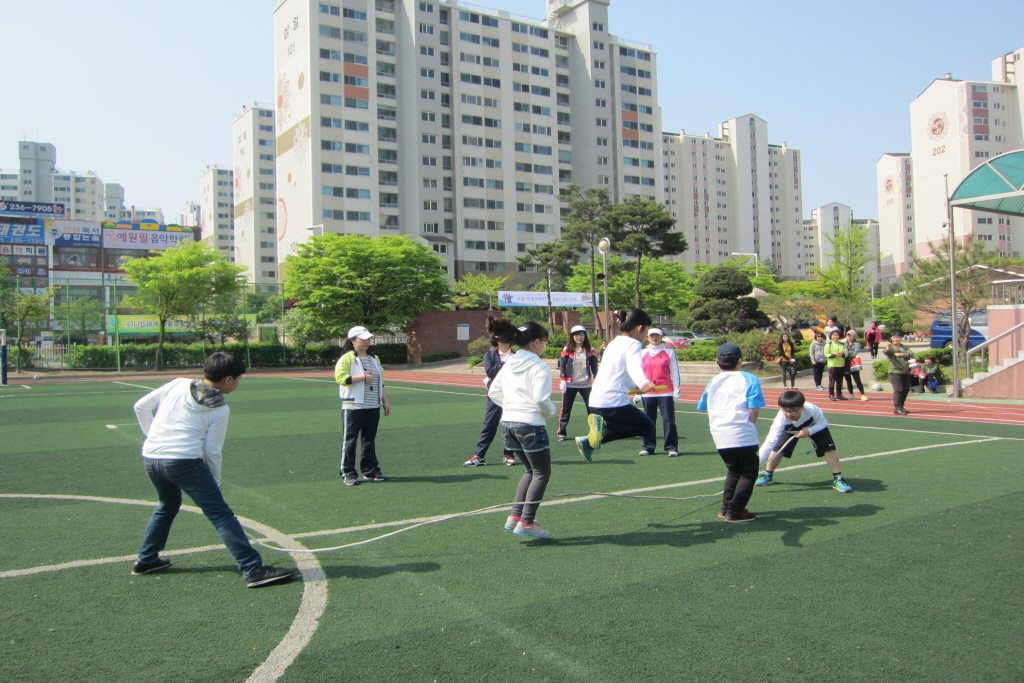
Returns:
(84, 313)
(644, 228)
(554, 260)
(178, 281)
(585, 225)
(843, 273)
(303, 328)
(478, 290)
(379, 282)
(21, 310)
(722, 306)
(666, 287)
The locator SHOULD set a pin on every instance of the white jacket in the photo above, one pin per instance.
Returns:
(181, 427)
(621, 370)
(811, 419)
(523, 389)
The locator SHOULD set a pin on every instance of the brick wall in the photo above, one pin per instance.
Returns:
(435, 331)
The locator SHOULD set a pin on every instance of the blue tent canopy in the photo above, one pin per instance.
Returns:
(997, 186)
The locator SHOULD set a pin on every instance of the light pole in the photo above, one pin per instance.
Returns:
(757, 259)
(952, 292)
(604, 246)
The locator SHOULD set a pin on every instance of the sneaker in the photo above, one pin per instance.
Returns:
(722, 511)
(375, 477)
(562, 437)
(840, 397)
(596, 423)
(510, 523)
(510, 461)
(821, 388)
(351, 481)
(764, 480)
(743, 515)
(268, 575)
(839, 484)
(673, 454)
(644, 452)
(583, 443)
(150, 567)
(863, 397)
(475, 461)
(831, 398)
(533, 531)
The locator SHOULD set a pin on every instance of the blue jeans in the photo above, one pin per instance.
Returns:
(193, 476)
(667, 405)
(534, 448)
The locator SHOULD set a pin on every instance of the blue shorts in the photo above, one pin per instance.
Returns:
(524, 438)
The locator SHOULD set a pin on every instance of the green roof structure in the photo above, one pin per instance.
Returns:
(996, 186)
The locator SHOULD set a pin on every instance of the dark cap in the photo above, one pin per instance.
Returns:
(729, 353)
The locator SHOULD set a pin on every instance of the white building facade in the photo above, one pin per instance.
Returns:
(216, 203)
(255, 199)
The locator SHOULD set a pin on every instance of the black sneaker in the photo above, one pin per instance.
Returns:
(375, 477)
(150, 567)
(741, 516)
(351, 481)
(268, 575)
(563, 437)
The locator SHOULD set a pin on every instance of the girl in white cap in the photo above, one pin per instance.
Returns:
(576, 369)
(361, 387)
(662, 368)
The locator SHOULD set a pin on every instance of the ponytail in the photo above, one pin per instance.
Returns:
(503, 331)
(632, 319)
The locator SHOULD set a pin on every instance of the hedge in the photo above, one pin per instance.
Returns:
(439, 356)
(944, 357)
(193, 355)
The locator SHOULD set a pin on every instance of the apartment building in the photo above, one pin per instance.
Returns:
(895, 174)
(455, 124)
(115, 209)
(254, 210)
(216, 204)
(826, 221)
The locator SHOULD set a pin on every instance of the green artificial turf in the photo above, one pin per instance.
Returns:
(914, 577)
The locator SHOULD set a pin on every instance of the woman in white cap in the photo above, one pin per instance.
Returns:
(576, 369)
(661, 367)
(362, 396)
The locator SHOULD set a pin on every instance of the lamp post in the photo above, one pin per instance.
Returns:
(604, 246)
(757, 259)
(952, 291)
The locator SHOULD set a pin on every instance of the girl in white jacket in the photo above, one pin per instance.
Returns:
(523, 390)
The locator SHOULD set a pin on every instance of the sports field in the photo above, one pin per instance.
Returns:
(914, 577)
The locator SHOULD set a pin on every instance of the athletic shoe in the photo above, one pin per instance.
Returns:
(351, 481)
(821, 388)
(150, 567)
(764, 480)
(583, 443)
(510, 461)
(743, 515)
(831, 398)
(673, 454)
(644, 452)
(475, 461)
(510, 523)
(840, 397)
(533, 531)
(375, 477)
(722, 511)
(900, 411)
(268, 575)
(596, 423)
(863, 397)
(839, 484)
(562, 437)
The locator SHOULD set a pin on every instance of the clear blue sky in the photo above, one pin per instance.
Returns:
(144, 93)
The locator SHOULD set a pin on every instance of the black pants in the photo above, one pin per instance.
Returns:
(874, 349)
(900, 388)
(568, 398)
(852, 377)
(741, 464)
(667, 405)
(835, 380)
(532, 484)
(788, 373)
(492, 418)
(355, 423)
(625, 422)
(819, 372)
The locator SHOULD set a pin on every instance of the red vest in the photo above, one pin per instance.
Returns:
(658, 370)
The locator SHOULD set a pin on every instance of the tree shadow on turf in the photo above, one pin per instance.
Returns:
(793, 524)
(862, 485)
(364, 572)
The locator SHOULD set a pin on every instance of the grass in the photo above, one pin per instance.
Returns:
(915, 577)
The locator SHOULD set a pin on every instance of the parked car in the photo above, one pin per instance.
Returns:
(689, 336)
(942, 330)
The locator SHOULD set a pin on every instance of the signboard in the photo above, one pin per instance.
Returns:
(76, 234)
(462, 332)
(32, 209)
(149, 325)
(119, 238)
(558, 299)
(22, 233)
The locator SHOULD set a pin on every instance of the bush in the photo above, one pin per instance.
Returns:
(552, 351)
(475, 361)
(439, 356)
(942, 356)
(698, 352)
(560, 339)
(395, 354)
(478, 347)
(27, 355)
(880, 369)
(752, 344)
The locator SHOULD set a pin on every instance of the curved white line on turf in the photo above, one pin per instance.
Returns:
(314, 586)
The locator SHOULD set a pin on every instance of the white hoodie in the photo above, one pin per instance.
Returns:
(523, 389)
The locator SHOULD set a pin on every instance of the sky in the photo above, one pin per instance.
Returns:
(144, 93)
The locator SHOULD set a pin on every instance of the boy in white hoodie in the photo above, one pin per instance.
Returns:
(523, 390)
(185, 422)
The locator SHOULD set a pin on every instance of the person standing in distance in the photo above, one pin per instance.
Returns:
(577, 367)
(501, 351)
(361, 387)
(662, 368)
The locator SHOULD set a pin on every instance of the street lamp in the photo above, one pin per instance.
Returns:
(757, 259)
(604, 246)
(952, 292)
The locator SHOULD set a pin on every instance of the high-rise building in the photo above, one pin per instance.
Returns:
(116, 211)
(895, 173)
(190, 215)
(255, 204)
(826, 221)
(216, 203)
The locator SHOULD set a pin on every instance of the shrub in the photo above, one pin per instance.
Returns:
(752, 344)
(475, 361)
(439, 356)
(552, 351)
(395, 354)
(698, 352)
(880, 369)
(478, 347)
(27, 355)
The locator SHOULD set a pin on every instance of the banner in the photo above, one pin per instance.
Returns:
(22, 233)
(32, 209)
(149, 325)
(119, 238)
(76, 234)
(558, 299)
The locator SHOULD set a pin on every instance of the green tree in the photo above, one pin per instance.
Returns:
(179, 281)
(478, 290)
(722, 306)
(552, 259)
(584, 226)
(380, 282)
(305, 328)
(666, 287)
(82, 313)
(25, 311)
(644, 228)
(843, 274)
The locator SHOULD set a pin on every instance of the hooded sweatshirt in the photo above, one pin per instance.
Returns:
(184, 419)
(523, 389)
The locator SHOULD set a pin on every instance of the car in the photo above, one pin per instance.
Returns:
(942, 330)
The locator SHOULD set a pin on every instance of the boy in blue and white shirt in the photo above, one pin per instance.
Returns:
(798, 418)
(732, 401)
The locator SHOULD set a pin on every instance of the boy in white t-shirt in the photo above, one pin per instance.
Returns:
(732, 400)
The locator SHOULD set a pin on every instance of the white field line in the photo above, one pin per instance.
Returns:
(25, 386)
(128, 384)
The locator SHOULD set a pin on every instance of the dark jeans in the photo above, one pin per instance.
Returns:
(531, 442)
(835, 380)
(568, 398)
(358, 422)
(625, 422)
(492, 419)
(874, 349)
(819, 372)
(667, 405)
(900, 388)
(741, 464)
(193, 476)
(852, 377)
(788, 373)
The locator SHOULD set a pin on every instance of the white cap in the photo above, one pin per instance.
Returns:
(578, 328)
(360, 332)
(655, 330)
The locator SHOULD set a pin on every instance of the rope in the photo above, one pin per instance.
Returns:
(466, 514)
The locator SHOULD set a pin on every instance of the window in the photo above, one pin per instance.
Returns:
(598, 45)
(599, 64)
(602, 142)
(353, 14)
(354, 36)
(597, 26)
(427, 28)
(426, 94)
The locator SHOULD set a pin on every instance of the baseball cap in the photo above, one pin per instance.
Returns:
(729, 353)
(578, 328)
(360, 332)
(655, 330)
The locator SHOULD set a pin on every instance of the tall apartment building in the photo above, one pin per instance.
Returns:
(190, 215)
(115, 209)
(216, 204)
(955, 126)
(823, 225)
(456, 124)
(756, 188)
(895, 173)
(254, 211)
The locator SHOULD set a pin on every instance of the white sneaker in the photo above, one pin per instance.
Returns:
(533, 531)
(510, 523)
